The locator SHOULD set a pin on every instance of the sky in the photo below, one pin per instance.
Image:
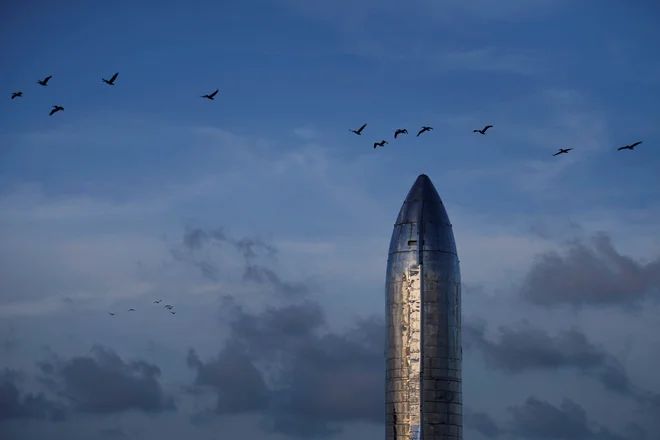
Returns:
(265, 222)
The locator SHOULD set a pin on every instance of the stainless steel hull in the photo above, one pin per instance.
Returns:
(423, 315)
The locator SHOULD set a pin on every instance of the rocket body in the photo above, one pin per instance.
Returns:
(423, 317)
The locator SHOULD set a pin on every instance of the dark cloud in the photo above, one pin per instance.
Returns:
(524, 348)
(305, 380)
(240, 387)
(540, 420)
(104, 384)
(15, 404)
(482, 423)
(590, 273)
(196, 247)
(537, 419)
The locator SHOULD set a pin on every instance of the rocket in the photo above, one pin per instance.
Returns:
(423, 316)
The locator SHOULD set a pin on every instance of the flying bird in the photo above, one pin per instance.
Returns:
(158, 302)
(56, 108)
(131, 310)
(359, 130)
(483, 130)
(424, 129)
(174, 313)
(111, 314)
(169, 307)
(629, 147)
(44, 82)
(111, 81)
(400, 131)
(16, 95)
(212, 95)
(562, 151)
(380, 144)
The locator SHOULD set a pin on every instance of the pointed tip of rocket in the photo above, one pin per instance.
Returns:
(423, 212)
(423, 194)
(422, 189)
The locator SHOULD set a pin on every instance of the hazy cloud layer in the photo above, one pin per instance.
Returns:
(103, 383)
(16, 404)
(197, 244)
(589, 273)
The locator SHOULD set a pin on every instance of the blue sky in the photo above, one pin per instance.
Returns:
(94, 199)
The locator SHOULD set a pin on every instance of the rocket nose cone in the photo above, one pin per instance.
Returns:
(423, 219)
(423, 196)
(422, 189)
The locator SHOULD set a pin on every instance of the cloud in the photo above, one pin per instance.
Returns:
(541, 420)
(486, 60)
(105, 384)
(111, 433)
(304, 379)
(523, 348)
(413, 34)
(15, 404)
(591, 273)
(482, 423)
(197, 246)
(306, 133)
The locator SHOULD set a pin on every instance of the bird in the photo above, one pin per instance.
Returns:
(483, 130)
(158, 302)
(174, 313)
(212, 95)
(380, 144)
(111, 81)
(400, 131)
(16, 95)
(562, 151)
(111, 314)
(44, 82)
(131, 310)
(359, 130)
(629, 147)
(169, 307)
(424, 129)
(56, 108)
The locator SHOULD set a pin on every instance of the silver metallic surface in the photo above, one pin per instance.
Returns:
(423, 315)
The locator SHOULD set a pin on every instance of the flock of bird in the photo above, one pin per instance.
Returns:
(382, 143)
(399, 131)
(167, 306)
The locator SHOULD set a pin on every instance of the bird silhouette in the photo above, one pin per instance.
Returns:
(174, 313)
(212, 95)
(56, 108)
(158, 302)
(111, 81)
(131, 310)
(629, 147)
(483, 130)
(16, 95)
(400, 131)
(562, 151)
(380, 144)
(424, 129)
(111, 314)
(359, 130)
(169, 307)
(44, 82)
